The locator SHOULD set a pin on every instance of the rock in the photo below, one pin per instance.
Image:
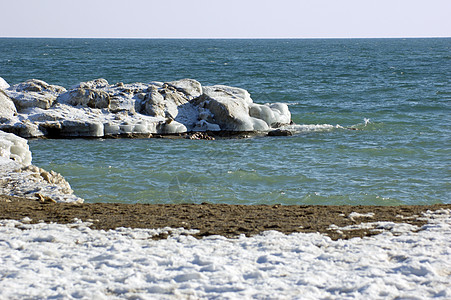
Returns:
(21, 179)
(34, 93)
(170, 103)
(50, 177)
(14, 148)
(96, 109)
(7, 108)
(72, 128)
(154, 104)
(86, 97)
(280, 132)
(95, 84)
(189, 87)
(163, 102)
(23, 128)
(99, 94)
(203, 125)
(3, 84)
(200, 136)
(172, 127)
(275, 115)
(230, 107)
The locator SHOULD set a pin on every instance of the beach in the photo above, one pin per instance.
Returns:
(208, 251)
(217, 219)
(341, 192)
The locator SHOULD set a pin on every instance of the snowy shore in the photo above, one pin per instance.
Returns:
(75, 262)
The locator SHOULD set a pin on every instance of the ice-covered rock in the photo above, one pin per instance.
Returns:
(7, 108)
(99, 94)
(3, 84)
(97, 108)
(11, 122)
(34, 93)
(162, 102)
(233, 109)
(20, 178)
(14, 148)
(189, 87)
(230, 109)
(203, 125)
(275, 115)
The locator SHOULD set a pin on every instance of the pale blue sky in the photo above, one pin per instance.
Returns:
(225, 19)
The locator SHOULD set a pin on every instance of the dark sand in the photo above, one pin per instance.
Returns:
(214, 219)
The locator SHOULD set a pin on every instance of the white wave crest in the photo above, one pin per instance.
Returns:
(310, 127)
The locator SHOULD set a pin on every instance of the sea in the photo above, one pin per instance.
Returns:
(374, 120)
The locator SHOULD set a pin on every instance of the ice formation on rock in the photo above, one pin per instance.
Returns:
(97, 109)
(20, 178)
(3, 84)
(34, 93)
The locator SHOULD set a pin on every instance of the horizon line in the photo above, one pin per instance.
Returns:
(225, 38)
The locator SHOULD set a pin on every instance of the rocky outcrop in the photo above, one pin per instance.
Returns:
(34, 93)
(20, 178)
(7, 108)
(98, 109)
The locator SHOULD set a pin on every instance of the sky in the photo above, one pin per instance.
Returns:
(225, 19)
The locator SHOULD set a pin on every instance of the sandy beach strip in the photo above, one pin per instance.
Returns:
(219, 219)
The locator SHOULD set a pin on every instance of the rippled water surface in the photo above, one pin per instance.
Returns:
(396, 92)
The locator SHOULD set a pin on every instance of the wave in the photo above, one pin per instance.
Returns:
(310, 127)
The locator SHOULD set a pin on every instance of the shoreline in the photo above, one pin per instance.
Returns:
(226, 220)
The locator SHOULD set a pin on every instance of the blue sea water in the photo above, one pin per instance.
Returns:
(397, 92)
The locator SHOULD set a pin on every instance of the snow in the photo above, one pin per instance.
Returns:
(74, 261)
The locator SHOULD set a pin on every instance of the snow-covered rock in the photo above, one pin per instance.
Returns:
(3, 84)
(97, 109)
(14, 148)
(7, 108)
(275, 115)
(99, 94)
(233, 110)
(20, 178)
(189, 87)
(163, 102)
(34, 93)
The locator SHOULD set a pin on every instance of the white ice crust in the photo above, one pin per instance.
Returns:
(97, 109)
(14, 148)
(43, 261)
(3, 84)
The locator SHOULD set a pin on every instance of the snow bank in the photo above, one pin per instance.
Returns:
(73, 261)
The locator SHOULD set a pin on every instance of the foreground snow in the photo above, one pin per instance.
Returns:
(73, 261)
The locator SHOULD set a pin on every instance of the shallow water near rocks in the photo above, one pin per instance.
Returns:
(395, 92)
